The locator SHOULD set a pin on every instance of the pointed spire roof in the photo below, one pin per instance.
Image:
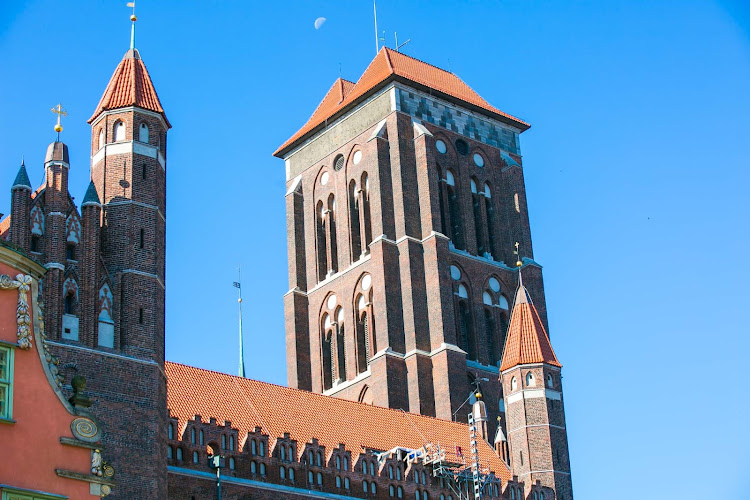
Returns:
(387, 66)
(130, 85)
(91, 197)
(22, 178)
(527, 341)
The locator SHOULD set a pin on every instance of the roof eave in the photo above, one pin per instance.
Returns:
(285, 148)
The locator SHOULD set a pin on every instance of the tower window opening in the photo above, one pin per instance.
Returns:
(35, 243)
(462, 147)
(354, 220)
(550, 381)
(101, 138)
(143, 171)
(70, 251)
(70, 303)
(119, 131)
(143, 133)
(142, 237)
(140, 315)
(338, 163)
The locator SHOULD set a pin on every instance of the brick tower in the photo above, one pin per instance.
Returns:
(105, 280)
(405, 196)
(534, 409)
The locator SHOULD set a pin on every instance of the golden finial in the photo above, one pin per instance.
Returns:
(132, 16)
(60, 112)
(518, 261)
(132, 26)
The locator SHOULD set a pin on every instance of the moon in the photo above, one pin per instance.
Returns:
(319, 22)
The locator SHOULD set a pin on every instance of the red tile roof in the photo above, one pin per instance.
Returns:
(389, 65)
(4, 227)
(305, 415)
(130, 85)
(527, 341)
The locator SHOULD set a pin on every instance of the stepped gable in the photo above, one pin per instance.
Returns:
(390, 65)
(305, 415)
(527, 341)
(130, 85)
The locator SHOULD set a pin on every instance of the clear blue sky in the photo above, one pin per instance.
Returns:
(636, 168)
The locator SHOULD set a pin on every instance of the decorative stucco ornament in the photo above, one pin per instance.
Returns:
(23, 284)
(85, 429)
(96, 463)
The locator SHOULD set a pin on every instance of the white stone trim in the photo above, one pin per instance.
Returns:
(443, 347)
(345, 385)
(136, 203)
(552, 394)
(129, 109)
(329, 279)
(54, 265)
(129, 147)
(295, 184)
(57, 213)
(147, 275)
(108, 354)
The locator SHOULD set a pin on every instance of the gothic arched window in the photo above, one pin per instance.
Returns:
(143, 133)
(489, 208)
(331, 232)
(354, 221)
(320, 231)
(365, 341)
(119, 131)
(466, 335)
(454, 210)
(101, 138)
(365, 214)
(326, 342)
(476, 204)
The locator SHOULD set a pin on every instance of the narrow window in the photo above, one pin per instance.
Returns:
(476, 204)
(291, 474)
(490, 209)
(338, 482)
(253, 468)
(70, 251)
(365, 213)
(262, 449)
(195, 457)
(262, 469)
(169, 452)
(354, 221)
(400, 492)
(171, 431)
(364, 486)
(179, 454)
(320, 228)
(119, 131)
(101, 138)
(318, 459)
(372, 469)
(338, 462)
(391, 490)
(513, 384)
(320, 479)
(425, 495)
(346, 483)
(311, 478)
(253, 449)
(398, 473)
(550, 381)
(530, 381)
(140, 315)
(332, 233)
(346, 463)
(201, 436)
(282, 473)
(70, 302)
(35, 243)
(223, 442)
(143, 171)
(231, 443)
(231, 463)
(6, 383)
(489, 323)
(282, 453)
(390, 472)
(373, 488)
(192, 435)
(143, 133)
(141, 238)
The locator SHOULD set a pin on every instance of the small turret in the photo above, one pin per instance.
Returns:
(19, 209)
(91, 210)
(480, 417)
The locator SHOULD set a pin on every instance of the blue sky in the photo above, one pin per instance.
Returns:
(636, 169)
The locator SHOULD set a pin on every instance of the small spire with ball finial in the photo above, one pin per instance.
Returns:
(60, 112)
(133, 19)
(518, 256)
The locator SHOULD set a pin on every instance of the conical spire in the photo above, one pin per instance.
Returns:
(91, 197)
(527, 340)
(130, 85)
(22, 178)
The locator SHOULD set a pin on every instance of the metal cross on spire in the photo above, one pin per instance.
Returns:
(133, 18)
(238, 284)
(60, 112)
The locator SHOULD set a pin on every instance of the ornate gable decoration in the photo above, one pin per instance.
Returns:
(23, 284)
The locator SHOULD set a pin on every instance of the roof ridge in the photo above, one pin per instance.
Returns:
(317, 394)
(387, 53)
(423, 62)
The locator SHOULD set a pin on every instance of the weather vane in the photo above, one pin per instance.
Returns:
(133, 18)
(518, 261)
(60, 112)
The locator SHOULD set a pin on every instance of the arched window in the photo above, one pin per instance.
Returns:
(550, 381)
(346, 483)
(119, 131)
(373, 488)
(391, 491)
(282, 472)
(365, 214)
(101, 138)
(253, 448)
(339, 350)
(282, 453)
(441, 201)
(318, 459)
(338, 462)
(338, 481)
(143, 133)
(530, 381)
(454, 211)
(262, 449)
(179, 454)
(195, 457)
(311, 478)
(536, 495)
(253, 467)
(365, 486)
(70, 303)
(416, 495)
(231, 463)
(200, 436)
(398, 473)
(490, 334)
(231, 443)
(346, 463)
(400, 492)
(466, 337)
(169, 452)
(291, 474)
(192, 435)
(326, 342)
(489, 208)
(320, 479)
(372, 469)
(331, 227)
(320, 231)
(390, 472)
(513, 384)
(354, 221)
(262, 469)
(170, 431)
(512, 494)
(476, 204)
(425, 495)
(311, 457)
(424, 477)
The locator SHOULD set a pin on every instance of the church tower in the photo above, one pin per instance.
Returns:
(405, 196)
(534, 408)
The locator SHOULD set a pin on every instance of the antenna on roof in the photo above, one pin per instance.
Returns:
(398, 47)
(237, 284)
(377, 41)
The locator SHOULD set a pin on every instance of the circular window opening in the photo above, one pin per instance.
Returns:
(440, 146)
(357, 157)
(462, 147)
(324, 178)
(338, 163)
(478, 160)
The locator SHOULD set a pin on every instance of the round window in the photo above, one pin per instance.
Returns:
(478, 160)
(494, 284)
(331, 302)
(455, 273)
(462, 147)
(440, 146)
(338, 163)
(366, 282)
(357, 157)
(324, 178)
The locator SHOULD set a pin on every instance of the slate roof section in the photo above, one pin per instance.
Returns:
(22, 178)
(527, 341)
(305, 415)
(130, 85)
(91, 195)
(390, 65)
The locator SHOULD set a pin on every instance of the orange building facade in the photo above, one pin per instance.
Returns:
(50, 445)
